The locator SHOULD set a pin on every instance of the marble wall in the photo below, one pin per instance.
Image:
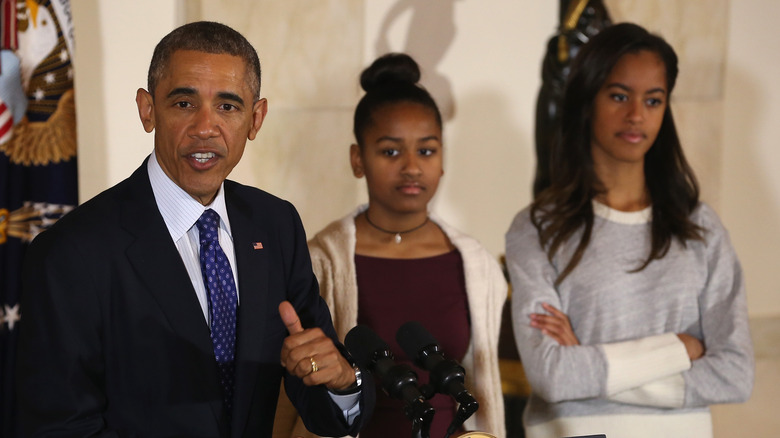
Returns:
(311, 53)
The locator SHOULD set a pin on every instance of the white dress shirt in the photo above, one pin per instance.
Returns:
(180, 211)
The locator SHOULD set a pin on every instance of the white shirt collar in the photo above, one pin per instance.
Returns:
(179, 210)
(623, 217)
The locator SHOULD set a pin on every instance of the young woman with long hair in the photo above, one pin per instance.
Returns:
(629, 306)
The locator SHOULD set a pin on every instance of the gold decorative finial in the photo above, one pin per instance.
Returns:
(573, 14)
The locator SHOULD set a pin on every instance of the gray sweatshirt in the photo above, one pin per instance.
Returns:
(631, 369)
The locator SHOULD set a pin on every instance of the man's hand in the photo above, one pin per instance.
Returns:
(306, 350)
(555, 325)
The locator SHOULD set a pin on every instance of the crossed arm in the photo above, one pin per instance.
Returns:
(658, 365)
(556, 325)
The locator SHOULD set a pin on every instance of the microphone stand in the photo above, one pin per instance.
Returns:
(398, 381)
(450, 375)
(401, 383)
(421, 414)
(468, 405)
(422, 428)
(446, 375)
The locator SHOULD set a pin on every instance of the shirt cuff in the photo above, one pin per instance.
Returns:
(349, 405)
(668, 392)
(636, 362)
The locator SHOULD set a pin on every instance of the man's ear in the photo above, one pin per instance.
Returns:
(259, 110)
(145, 104)
(356, 161)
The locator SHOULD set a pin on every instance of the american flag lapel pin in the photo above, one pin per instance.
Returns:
(257, 245)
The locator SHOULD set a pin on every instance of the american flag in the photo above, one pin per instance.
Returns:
(6, 122)
(37, 156)
(8, 36)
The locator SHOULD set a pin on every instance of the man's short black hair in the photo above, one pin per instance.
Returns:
(208, 37)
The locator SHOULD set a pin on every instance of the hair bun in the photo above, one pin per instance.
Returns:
(388, 69)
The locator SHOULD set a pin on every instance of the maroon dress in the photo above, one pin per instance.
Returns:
(430, 290)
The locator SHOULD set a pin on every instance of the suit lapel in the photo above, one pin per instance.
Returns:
(159, 267)
(158, 264)
(252, 261)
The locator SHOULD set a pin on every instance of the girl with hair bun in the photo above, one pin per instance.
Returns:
(629, 313)
(392, 260)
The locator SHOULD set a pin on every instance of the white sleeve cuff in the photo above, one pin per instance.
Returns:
(349, 405)
(634, 363)
(668, 392)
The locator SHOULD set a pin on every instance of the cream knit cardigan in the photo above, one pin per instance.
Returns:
(333, 259)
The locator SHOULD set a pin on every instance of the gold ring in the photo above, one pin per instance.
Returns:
(314, 366)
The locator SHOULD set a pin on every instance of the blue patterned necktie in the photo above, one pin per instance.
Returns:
(221, 288)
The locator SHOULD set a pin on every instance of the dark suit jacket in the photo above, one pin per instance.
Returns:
(113, 340)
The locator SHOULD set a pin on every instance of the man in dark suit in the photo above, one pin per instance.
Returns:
(124, 335)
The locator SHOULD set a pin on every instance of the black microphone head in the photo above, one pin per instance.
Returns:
(414, 338)
(363, 344)
(446, 376)
(398, 380)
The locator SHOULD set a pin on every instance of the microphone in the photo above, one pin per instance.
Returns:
(398, 380)
(446, 375)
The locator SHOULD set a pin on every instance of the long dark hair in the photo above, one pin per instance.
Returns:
(566, 206)
(391, 78)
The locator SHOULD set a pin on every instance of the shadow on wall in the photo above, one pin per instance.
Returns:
(489, 165)
(483, 175)
(426, 47)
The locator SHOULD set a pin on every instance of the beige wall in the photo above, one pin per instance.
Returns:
(481, 60)
(750, 177)
(114, 43)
